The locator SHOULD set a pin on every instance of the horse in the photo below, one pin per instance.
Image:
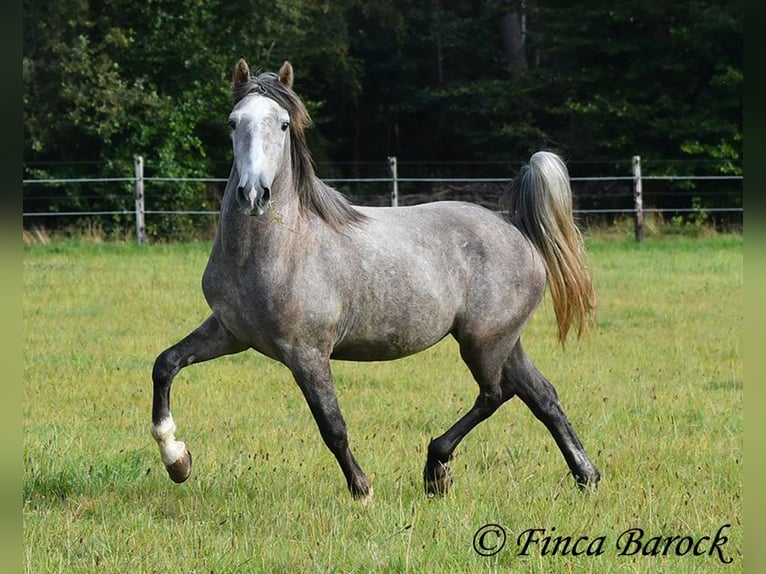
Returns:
(300, 274)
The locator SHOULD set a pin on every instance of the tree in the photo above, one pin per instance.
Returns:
(430, 80)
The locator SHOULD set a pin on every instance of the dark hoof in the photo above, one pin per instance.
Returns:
(180, 470)
(438, 481)
(590, 482)
(361, 490)
(364, 497)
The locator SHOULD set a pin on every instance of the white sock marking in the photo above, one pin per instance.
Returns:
(170, 448)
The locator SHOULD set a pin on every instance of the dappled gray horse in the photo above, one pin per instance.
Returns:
(299, 274)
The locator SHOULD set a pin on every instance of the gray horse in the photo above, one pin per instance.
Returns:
(301, 275)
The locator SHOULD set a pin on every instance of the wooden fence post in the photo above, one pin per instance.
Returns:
(140, 226)
(394, 181)
(638, 200)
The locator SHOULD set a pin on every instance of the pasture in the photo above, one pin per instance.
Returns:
(655, 394)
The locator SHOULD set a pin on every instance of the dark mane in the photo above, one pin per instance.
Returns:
(314, 195)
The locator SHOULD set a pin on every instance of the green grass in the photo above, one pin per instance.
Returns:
(655, 394)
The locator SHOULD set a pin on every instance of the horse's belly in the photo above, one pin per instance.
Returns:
(381, 349)
(391, 336)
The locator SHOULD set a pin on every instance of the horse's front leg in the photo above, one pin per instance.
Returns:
(208, 341)
(314, 377)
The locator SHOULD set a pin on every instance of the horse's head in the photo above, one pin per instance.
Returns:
(260, 133)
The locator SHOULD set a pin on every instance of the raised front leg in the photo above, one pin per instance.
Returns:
(314, 377)
(208, 341)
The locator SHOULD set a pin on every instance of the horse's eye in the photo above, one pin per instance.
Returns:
(232, 124)
(285, 125)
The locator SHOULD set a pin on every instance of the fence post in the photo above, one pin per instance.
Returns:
(638, 200)
(140, 226)
(394, 181)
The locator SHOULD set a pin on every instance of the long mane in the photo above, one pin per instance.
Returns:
(314, 195)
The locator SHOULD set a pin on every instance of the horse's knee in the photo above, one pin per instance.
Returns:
(165, 366)
(161, 370)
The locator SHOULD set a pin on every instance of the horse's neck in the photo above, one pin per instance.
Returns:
(240, 236)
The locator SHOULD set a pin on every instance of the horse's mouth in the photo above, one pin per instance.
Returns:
(262, 202)
(255, 202)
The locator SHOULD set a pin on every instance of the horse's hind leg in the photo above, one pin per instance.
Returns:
(210, 340)
(521, 377)
(485, 365)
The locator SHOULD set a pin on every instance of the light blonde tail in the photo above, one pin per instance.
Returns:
(541, 206)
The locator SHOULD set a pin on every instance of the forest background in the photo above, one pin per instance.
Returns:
(459, 88)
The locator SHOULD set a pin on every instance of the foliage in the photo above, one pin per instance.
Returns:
(425, 81)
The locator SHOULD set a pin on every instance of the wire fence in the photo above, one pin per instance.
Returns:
(717, 198)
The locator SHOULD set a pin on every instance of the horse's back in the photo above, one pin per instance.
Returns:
(428, 270)
(484, 243)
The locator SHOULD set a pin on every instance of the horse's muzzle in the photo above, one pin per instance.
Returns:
(256, 200)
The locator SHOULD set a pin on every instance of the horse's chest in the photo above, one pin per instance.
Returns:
(264, 314)
(234, 302)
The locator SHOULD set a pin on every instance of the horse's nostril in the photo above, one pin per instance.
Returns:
(266, 195)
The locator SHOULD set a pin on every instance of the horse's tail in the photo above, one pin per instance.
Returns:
(541, 206)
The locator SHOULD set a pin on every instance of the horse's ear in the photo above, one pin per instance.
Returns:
(286, 75)
(241, 72)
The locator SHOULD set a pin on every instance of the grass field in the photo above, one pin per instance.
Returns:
(655, 394)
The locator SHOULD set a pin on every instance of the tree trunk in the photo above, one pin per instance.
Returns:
(513, 30)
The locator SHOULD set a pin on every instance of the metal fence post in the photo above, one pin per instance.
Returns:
(638, 200)
(140, 226)
(394, 181)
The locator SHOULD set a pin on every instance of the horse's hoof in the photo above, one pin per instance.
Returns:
(590, 482)
(361, 491)
(439, 481)
(180, 470)
(365, 499)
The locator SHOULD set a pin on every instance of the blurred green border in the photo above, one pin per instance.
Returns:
(10, 263)
(11, 145)
(754, 302)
